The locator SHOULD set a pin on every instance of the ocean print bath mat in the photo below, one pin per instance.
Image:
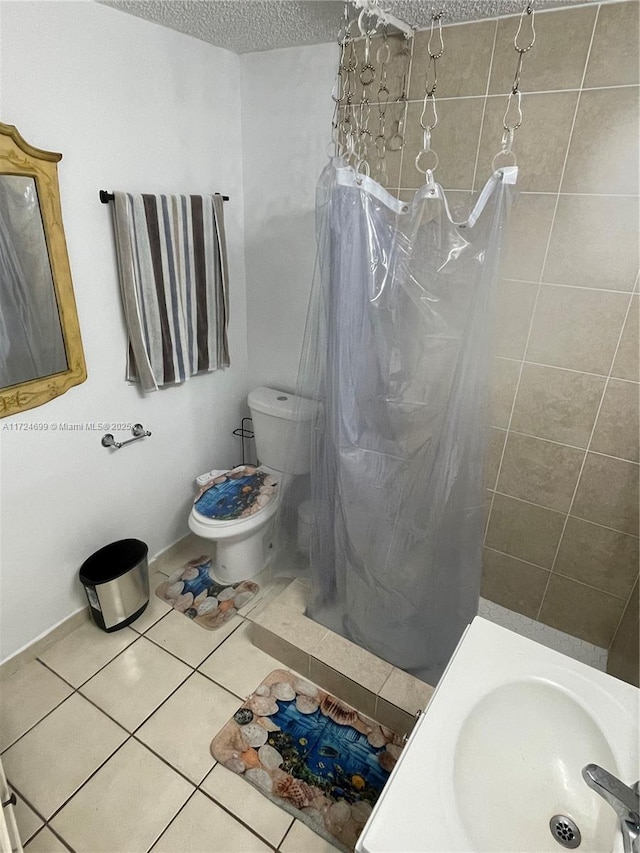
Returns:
(192, 591)
(310, 753)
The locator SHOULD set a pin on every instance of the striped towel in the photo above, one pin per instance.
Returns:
(172, 262)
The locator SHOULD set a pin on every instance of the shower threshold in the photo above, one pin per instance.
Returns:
(368, 683)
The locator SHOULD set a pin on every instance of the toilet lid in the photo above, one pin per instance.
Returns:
(242, 492)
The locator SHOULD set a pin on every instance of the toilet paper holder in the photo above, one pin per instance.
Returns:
(138, 432)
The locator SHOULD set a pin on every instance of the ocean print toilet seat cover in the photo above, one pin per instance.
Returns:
(239, 493)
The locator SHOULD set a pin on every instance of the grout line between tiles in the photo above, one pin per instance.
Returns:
(561, 512)
(519, 559)
(525, 94)
(613, 361)
(565, 444)
(564, 166)
(540, 280)
(588, 450)
(117, 654)
(582, 194)
(207, 656)
(57, 811)
(53, 832)
(13, 743)
(238, 819)
(159, 756)
(622, 615)
(33, 809)
(484, 105)
(286, 834)
(585, 4)
(573, 286)
(590, 586)
(568, 369)
(182, 807)
(558, 574)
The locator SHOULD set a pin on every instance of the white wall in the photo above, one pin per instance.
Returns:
(133, 106)
(286, 128)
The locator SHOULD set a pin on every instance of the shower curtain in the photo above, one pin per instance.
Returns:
(397, 353)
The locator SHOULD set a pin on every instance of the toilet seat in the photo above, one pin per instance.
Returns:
(245, 496)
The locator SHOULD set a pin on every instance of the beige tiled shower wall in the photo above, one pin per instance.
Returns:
(561, 541)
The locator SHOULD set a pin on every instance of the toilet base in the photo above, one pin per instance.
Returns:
(242, 559)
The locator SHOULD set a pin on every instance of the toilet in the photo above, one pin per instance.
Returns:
(236, 508)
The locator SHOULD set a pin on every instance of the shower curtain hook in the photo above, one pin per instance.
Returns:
(511, 122)
(369, 30)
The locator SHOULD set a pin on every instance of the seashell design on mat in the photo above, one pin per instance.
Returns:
(310, 753)
(192, 590)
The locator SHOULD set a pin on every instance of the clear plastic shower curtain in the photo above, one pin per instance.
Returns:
(397, 352)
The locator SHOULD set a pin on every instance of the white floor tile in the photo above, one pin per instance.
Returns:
(156, 609)
(84, 651)
(133, 685)
(248, 804)
(28, 821)
(186, 639)
(302, 840)
(45, 842)
(126, 806)
(50, 762)
(238, 665)
(182, 729)
(270, 587)
(203, 825)
(26, 697)
(187, 548)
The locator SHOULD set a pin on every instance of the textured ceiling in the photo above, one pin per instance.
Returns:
(245, 26)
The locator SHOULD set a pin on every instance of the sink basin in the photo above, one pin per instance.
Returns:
(499, 752)
(527, 742)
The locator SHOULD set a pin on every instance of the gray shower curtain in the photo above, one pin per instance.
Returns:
(397, 353)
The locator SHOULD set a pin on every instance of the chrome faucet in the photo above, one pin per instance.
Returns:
(625, 801)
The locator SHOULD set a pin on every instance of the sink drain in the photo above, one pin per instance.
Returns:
(565, 831)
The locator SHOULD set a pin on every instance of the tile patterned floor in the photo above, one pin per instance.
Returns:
(105, 737)
(105, 740)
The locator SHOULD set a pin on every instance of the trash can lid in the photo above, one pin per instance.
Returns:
(112, 561)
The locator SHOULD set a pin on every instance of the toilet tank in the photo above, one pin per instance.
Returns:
(282, 426)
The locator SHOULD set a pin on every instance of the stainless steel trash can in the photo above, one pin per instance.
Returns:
(116, 581)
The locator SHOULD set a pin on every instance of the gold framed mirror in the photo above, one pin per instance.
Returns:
(41, 354)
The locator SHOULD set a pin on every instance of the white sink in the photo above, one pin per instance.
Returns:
(500, 751)
(530, 769)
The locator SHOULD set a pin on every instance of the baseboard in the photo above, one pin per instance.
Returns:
(34, 649)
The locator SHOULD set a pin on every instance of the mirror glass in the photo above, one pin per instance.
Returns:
(41, 354)
(31, 342)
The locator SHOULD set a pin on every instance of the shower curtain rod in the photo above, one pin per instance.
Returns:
(371, 7)
(106, 197)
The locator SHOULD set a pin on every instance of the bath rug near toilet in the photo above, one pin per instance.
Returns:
(192, 591)
(311, 754)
